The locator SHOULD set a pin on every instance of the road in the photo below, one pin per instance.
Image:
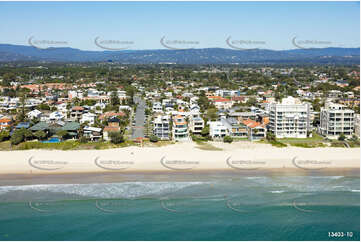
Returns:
(138, 130)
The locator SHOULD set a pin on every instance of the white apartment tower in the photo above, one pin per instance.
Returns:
(290, 118)
(336, 119)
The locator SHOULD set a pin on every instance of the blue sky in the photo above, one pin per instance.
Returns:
(270, 25)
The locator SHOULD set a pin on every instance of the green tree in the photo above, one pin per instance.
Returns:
(4, 135)
(153, 138)
(62, 134)
(40, 135)
(114, 99)
(205, 131)
(17, 137)
(227, 139)
(116, 137)
(342, 137)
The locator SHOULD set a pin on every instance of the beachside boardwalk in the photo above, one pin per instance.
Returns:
(138, 129)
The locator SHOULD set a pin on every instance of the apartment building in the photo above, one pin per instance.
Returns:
(161, 127)
(290, 118)
(336, 119)
(196, 124)
(357, 125)
(180, 129)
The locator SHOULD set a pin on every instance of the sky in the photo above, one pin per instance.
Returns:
(161, 25)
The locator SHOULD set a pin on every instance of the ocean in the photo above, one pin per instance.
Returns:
(223, 207)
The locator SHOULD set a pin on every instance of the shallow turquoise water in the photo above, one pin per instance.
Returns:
(236, 208)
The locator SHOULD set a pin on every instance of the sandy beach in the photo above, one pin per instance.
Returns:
(180, 157)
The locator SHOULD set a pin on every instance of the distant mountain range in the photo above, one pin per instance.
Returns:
(20, 53)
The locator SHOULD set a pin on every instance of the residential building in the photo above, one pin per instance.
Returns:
(357, 125)
(235, 128)
(196, 124)
(157, 107)
(180, 129)
(217, 129)
(223, 103)
(34, 114)
(336, 119)
(290, 118)
(5, 122)
(92, 133)
(255, 130)
(88, 117)
(76, 113)
(161, 127)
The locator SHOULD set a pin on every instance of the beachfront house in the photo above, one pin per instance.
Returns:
(217, 130)
(256, 130)
(235, 128)
(180, 129)
(92, 133)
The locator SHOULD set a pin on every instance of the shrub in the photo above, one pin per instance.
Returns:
(4, 135)
(205, 131)
(227, 139)
(342, 137)
(153, 138)
(116, 138)
(83, 140)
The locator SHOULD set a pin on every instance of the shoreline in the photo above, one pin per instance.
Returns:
(162, 176)
(180, 158)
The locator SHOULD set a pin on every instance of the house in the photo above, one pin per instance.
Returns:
(256, 130)
(108, 115)
(51, 128)
(217, 129)
(157, 107)
(5, 123)
(223, 103)
(112, 127)
(180, 129)
(235, 128)
(56, 116)
(22, 125)
(161, 127)
(76, 113)
(88, 117)
(34, 114)
(336, 119)
(92, 133)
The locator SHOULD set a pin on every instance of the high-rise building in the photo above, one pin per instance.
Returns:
(336, 119)
(290, 118)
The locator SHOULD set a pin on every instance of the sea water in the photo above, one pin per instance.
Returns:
(219, 208)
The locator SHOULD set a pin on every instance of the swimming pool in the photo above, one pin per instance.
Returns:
(52, 140)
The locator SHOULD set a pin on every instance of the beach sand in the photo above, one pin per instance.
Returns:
(180, 158)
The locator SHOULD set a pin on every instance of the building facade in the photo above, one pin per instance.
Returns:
(336, 119)
(161, 127)
(290, 118)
